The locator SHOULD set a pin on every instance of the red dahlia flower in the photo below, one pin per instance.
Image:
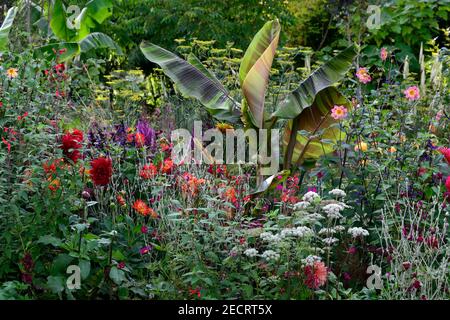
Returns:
(101, 171)
(447, 183)
(71, 142)
(446, 153)
(316, 275)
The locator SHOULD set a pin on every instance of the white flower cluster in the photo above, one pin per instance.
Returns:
(358, 232)
(270, 255)
(330, 241)
(296, 232)
(251, 252)
(269, 237)
(309, 260)
(339, 228)
(333, 210)
(301, 205)
(310, 196)
(338, 193)
(327, 231)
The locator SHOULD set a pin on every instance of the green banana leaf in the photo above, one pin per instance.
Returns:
(255, 69)
(316, 131)
(194, 82)
(98, 40)
(92, 41)
(58, 22)
(328, 74)
(95, 12)
(6, 27)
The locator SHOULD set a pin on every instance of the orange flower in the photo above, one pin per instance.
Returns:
(139, 139)
(143, 209)
(230, 195)
(54, 184)
(223, 127)
(148, 171)
(12, 73)
(167, 166)
(190, 184)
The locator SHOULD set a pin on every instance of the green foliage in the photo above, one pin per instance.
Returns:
(6, 27)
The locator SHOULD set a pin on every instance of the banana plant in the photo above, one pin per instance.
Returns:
(74, 32)
(5, 28)
(310, 130)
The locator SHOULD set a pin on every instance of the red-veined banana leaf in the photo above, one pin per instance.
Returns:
(194, 82)
(316, 131)
(6, 26)
(255, 70)
(328, 74)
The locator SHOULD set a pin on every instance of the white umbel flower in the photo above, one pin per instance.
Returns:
(358, 232)
(310, 196)
(270, 255)
(333, 210)
(301, 205)
(338, 193)
(330, 241)
(339, 228)
(269, 237)
(251, 252)
(299, 232)
(327, 231)
(309, 260)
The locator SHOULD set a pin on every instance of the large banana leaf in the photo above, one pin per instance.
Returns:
(255, 69)
(58, 22)
(328, 74)
(98, 40)
(6, 26)
(92, 41)
(194, 82)
(316, 131)
(95, 12)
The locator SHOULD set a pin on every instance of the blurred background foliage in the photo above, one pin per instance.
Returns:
(322, 25)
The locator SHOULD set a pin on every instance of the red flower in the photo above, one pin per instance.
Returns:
(101, 171)
(71, 141)
(447, 183)
(446, 153)
(316, 275)
(121, 200)
(148, 171)
(8, 145)
(139, 139)
(143, 209)
(59, 68)
(167, 166)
